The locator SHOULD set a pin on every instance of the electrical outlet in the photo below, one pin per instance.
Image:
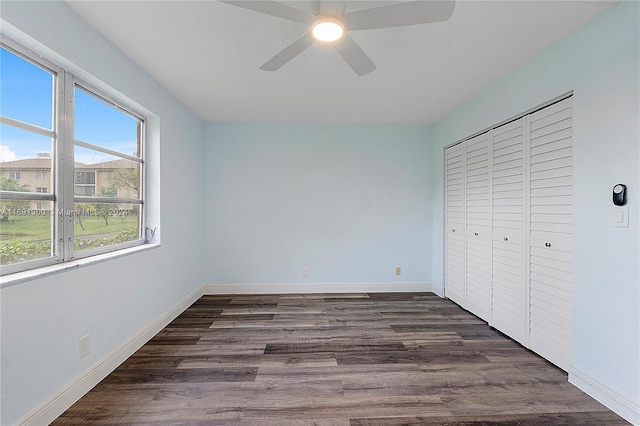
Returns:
(397, 270)
(305, 271)
(85, 345)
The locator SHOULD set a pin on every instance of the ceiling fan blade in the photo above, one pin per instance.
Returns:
(288, 53)
(399, 15)
(274, 9)
(316, 6)
(354, 56)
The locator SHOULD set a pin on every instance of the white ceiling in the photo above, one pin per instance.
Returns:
(208, 55)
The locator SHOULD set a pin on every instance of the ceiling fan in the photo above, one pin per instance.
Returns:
(330, 24)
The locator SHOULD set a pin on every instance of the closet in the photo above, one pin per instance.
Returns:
(508, 229)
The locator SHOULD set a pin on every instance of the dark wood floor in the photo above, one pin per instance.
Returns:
(349, 359)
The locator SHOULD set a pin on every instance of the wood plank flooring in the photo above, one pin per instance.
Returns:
(343, 359)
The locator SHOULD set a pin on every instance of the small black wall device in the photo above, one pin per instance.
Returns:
(620, 194)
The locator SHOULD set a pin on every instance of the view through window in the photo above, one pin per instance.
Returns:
(71, 168)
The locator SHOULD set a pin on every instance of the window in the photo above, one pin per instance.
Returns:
(84, 183)
(95, 201)
(85, 177)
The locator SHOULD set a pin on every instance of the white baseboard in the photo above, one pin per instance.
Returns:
(60, 401)
(439, 291)
(308, 288)
(621, 404)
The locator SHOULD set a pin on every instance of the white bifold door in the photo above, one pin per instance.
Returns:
(454, 223)
(478, 226)
(508, 301)
(508, 229)
(551, 235)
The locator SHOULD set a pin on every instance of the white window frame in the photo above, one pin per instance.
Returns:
(62, 166)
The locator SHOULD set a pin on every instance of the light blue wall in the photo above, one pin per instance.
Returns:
(43, 319)
(600, 63)
(350, 202)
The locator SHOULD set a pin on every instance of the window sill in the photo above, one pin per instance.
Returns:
(20, 277)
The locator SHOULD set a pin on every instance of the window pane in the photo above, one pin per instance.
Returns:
(26, 230)
(25, 160)
(104, 224)
(27, 91)
(110, 176)
(100, 124)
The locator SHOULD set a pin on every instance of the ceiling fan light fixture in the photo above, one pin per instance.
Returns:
(327, 29)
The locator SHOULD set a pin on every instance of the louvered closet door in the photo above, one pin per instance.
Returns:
(551, 233)
(478, 238)
(508, 299)
(454, 224)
